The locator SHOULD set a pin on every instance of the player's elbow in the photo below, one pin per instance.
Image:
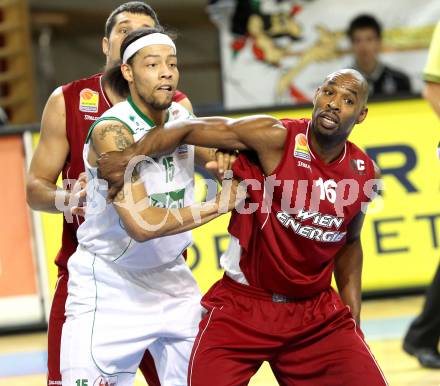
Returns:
(139, 236)
(142, 234)
(32, 192)
(228, 135)
(148, 232)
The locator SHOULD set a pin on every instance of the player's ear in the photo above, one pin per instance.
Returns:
(362, 115)
(105, 46)
(127, 72)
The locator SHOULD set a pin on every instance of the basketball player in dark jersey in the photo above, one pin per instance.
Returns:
(309, 188)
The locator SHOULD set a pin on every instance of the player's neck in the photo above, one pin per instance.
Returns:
(327, 151)
(158, 117)
(111, 94)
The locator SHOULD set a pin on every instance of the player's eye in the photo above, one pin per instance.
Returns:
(349, 101)
(124, 31)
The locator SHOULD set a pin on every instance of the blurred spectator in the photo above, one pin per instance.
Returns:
(365, 34)
(423, 336)
(3, 117)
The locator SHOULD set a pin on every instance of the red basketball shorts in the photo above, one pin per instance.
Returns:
(311, 342)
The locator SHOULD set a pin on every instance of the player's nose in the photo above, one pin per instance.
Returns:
(334, 105)
(165, 72)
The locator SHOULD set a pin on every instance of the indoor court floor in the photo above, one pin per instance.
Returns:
(22, 357)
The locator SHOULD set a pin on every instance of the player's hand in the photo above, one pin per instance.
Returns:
(224, 159)
(79, 193)
(111, 167)
(231, 195)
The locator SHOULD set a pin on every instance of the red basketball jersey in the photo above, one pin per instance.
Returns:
(304, 206)
(85, 102)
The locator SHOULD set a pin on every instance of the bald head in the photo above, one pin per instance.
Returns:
(339, 105)
(351, 79)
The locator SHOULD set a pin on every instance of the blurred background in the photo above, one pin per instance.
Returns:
(235, 57)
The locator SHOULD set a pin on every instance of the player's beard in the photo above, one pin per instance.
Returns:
(155, 104)
(330, 140)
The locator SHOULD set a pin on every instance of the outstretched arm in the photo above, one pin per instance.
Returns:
(215, 162)
(263, 134)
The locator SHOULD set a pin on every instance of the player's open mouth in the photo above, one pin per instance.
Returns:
(165, 88)
(329, 120)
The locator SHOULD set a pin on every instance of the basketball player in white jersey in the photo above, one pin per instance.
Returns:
(129, 287)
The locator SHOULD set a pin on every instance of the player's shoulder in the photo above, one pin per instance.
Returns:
(295, 128)
(355, 150)
(92, 82)
(299, 125)
(119, 115)
(178, 96)
(121, 112)
(118, 108)
(177, 111)
(360, 157)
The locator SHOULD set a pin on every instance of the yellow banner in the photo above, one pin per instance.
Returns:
(400, 241)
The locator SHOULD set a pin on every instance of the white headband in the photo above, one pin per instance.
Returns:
(147, 40)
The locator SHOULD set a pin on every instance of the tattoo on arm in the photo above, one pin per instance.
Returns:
(119, 133)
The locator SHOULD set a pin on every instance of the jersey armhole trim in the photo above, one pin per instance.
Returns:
(285, 153)
(106, 119)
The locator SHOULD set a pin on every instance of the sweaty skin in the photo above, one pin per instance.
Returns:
(339, 104)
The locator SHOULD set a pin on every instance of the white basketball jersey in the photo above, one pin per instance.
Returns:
(169, 182)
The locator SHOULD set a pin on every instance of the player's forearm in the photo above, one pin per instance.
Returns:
(348, 273)
(210, 132)
(46, 196)
(154, 222)
(185, 219)
(159, 141)
(214, 133)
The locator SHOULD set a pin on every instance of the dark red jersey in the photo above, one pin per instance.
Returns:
(178, 96)
(304, 207)
(85, 102)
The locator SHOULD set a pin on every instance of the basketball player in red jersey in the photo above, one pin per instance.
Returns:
(68, 114)
(310, 186)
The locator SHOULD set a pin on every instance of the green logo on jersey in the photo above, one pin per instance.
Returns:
(168, 162)
(168, 200)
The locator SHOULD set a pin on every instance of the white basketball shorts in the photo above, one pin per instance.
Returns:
(113, 315)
